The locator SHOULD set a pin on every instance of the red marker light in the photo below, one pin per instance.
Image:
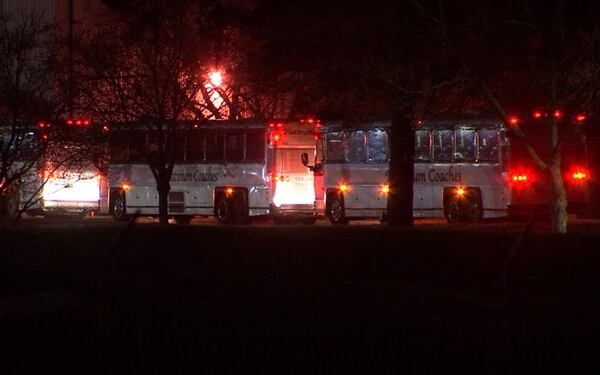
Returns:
(537, 115)
(558, 113)
(513, 120)
(580, 117)
(69, 122)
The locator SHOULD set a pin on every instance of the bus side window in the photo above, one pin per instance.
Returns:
(488, 145)
(234, 148)
(464, 144)
(214, 146)
(255, 146)
(355, 146)
(195, 146)
(335, 147)
(442, 145)
(422, 145)
(378, 149)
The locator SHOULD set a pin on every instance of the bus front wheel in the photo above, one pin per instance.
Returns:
(335, 210)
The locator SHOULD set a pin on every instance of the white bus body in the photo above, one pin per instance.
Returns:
(462, 171)
(232, 170)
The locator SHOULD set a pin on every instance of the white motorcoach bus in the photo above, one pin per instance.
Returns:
(232, 170)
(54, 177)
(465, 170)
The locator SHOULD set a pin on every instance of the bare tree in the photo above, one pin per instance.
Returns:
(527, 55)
(25, 99)
(143, 68)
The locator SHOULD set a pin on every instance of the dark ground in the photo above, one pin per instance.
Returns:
(361, 299)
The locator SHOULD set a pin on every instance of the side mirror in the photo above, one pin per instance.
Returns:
(304, 159)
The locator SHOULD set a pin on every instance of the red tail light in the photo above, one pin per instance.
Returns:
(579, 175)
(520, 179)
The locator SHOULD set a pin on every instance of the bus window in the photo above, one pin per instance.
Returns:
(488, 145)
(442, 145)
(255, 146)
(464, 140)
(378, 146)
(335, 147)
(422, 143)
(234, 149)
(195, 146)
(214, 146)
(355, 146)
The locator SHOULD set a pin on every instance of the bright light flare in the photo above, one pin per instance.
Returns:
(301, 191)
(385, 189)
(125, 187)
(215, 78)
(344, 188)
(460, 191)
(72, 187)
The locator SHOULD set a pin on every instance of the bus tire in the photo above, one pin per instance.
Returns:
(119, 207)
(183, 219)
(453, 211)
(223, 209)
(335, 210)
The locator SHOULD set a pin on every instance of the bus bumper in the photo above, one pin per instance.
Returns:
(293, 210)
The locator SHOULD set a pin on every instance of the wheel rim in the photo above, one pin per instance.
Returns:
(335, 210)
(119, 208)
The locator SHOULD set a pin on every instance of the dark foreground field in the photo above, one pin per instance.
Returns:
(362, 299)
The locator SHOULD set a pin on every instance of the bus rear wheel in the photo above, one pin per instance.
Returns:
(119, 210)
(335, 210)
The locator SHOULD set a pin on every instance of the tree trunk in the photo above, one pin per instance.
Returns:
(558, 196)
(401, 172)
(163, 187)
